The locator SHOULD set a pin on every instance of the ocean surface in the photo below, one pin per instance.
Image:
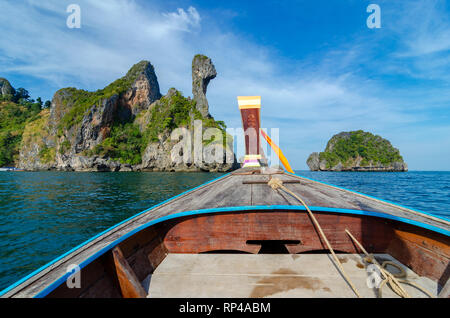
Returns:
(44, 214)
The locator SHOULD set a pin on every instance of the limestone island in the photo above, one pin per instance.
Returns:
(125, 126)
(357, 151)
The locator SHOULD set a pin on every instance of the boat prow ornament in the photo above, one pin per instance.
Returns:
(250, 107)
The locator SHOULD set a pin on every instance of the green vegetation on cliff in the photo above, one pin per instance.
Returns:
(200, 57)
(13, 118)
(174, 111)
(171, 112)
(47, 154)
(347, 147)
(127, 142)
(64, 147)
(80, 100)
(36, 132)
(17, 111)
(98, 130)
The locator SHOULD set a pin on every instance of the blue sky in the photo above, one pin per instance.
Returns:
(318, 67)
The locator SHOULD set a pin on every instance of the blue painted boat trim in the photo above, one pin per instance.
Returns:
(62, 279)
(100, 234)
(372, 197)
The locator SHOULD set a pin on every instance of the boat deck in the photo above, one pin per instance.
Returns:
(245, 189)
(268, 275)
(242, 190)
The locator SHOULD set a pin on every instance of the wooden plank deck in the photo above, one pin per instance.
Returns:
(268, 276)
(240, 188)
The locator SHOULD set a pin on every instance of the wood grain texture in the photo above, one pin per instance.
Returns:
(232, 231)
(130, 285)
(251, 122)
(96, 282)
(427, 253)
(416, 248)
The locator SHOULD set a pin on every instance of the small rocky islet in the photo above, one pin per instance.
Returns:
(125, 126)
(357, 151)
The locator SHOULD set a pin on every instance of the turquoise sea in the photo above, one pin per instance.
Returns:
(44, 214)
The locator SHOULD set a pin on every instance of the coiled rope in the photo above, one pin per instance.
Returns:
(389, 278)
(276, 184)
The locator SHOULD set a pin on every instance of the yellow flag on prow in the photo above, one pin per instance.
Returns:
(278, 151)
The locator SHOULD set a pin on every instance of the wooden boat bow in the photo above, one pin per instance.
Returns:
(233, 212)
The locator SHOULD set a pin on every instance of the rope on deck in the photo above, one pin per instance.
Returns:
(276, 184)
(389, 278)
(423, 215)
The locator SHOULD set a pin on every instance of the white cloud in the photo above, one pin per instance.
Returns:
(423, 32)
(426, 25)
(182, 20)
(114, 35)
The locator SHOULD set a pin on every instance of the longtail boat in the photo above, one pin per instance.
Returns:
(246, 234)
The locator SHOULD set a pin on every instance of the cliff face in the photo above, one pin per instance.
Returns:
(16, 112)
(125, 126)
(203, 71)
(5, 88)
(357, 151)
